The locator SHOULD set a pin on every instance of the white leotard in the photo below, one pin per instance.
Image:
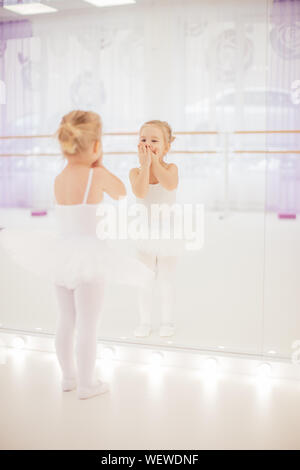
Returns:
(157, 194)
(77, 219)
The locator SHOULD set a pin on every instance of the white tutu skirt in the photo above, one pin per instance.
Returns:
(69, 261)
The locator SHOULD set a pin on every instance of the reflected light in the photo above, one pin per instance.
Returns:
(156, 358)
(110, 3)
(18, 342)
(108, 353)
(264, 384)
(210, 365)
(264, 370)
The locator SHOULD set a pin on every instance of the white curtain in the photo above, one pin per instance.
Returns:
(200, 65)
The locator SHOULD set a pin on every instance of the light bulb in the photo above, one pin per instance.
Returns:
(109, 3)
(18, 342)
(210, 365)
(108, 353)
(156, 358)
(264, 370)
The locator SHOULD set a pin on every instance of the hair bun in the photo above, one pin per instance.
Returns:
(69, 147)
(72, 129)
(78, 129)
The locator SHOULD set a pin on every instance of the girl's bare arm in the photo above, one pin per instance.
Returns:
(139, 179)
(109, 183)
(168, 177)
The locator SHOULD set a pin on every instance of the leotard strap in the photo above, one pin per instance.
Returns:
(88, 186)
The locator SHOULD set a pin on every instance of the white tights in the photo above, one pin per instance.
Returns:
(80, 307)
(165, 270)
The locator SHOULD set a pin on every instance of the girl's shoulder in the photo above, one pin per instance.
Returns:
(74, 176)
(58, 179)
(168, 165)
(134, 172)
(72, 173)
(171, 165)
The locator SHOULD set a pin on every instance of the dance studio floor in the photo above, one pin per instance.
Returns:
(172, 408)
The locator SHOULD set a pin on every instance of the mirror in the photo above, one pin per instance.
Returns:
(281, 291)
(194, 64)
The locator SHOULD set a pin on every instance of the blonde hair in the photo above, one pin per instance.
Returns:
(165, 128)
(77, 130)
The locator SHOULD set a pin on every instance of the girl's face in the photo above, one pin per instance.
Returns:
(153, 136)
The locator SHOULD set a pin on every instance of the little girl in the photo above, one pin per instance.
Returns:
(155, 182)
(75, 259)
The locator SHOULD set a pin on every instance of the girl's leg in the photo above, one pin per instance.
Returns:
(88, 302)
(166, 268)
(64, 337)
(145, 298)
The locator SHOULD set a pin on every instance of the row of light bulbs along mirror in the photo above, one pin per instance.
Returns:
(156, 358)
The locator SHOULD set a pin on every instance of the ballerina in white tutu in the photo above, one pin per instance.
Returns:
(72, 256)
(155, 182)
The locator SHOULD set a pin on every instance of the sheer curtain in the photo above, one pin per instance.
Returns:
(200, 65)
(16, 119)
(283, 171)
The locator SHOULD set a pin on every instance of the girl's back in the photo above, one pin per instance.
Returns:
(76, 218)
(70, 186)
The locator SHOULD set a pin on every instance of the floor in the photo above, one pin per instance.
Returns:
(146, 408)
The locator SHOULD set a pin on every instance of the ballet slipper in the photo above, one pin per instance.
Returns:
(167, 329)
(142, 330)
(68, 385)
(98, 388)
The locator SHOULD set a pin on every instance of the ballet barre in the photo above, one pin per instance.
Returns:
(225, 149)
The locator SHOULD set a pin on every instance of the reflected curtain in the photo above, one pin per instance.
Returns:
(283, 171)
(194, 63)
(15, 172)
